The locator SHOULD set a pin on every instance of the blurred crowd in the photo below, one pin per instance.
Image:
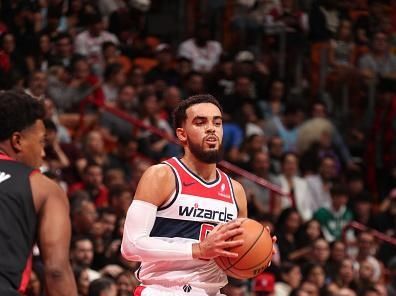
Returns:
(308, 90)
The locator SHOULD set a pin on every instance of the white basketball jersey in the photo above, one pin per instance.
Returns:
(188, 216)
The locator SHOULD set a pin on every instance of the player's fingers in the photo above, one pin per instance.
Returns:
(225, 253)
(231, 225)
(274, 239)
(231, 233)
(231, 244)
(217, 228)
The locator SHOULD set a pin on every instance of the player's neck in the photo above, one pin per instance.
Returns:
(7, 152)
(206, 171)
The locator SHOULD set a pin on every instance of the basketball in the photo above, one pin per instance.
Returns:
(253, 256)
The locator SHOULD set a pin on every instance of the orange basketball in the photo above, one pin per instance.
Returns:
(253, 256)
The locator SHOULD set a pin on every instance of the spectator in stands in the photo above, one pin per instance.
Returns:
(332, 219)
(320, 252)
(71, 96)
(290, 278)
(287, 226)
(275, 146)
(203, 52)
(89, 42)
(366, 251)
(362, 208)
(385, 222)
(37, 86)
(380, 145)
(102, 286)
(55, 157)
(82, 212)
(193, 84)
(337, 255)
(342, 55)
(355, 185)
(344, 278)
(243, 92)
(323, 20)
(315, 274)
(392, 280)
(249, 120)
(114, 78)
(274, 105)
(307, 234)
(153, 145)
(111, 54)
(12, 61)
(102, 237)
(123, 156)
(82, 254)
(286, 126)
(379, 61)
(112, 126)
(114, 177)
(319, 185)
(171, 98)
(368, 275)
(164, 70)
(126, 283)
(306, 288)
(92, 183)
(315, 141)
(63, 50)
(81, 276)
(261, 199)
(41, 57)
(296, 187)
(120, 198)
(320, 110)
(94, 149)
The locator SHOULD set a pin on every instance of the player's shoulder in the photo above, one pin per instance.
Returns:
(159, 171)
(237, 186)
(43, 189)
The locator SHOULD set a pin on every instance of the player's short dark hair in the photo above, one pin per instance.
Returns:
(18, 111)
(179, 114)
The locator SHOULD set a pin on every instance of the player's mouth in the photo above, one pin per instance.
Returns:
(211, 141)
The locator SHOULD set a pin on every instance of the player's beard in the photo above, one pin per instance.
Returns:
(210, 156)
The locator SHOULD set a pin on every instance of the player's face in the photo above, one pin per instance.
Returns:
(203, 132)
(31, 145)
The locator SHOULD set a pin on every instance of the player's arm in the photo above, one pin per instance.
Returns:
(240, 197)
(154, 189)
(54, 231)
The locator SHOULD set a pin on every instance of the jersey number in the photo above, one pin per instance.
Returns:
(205, 230)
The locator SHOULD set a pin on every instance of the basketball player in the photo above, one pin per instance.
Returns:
(31, 206)
(171, 224)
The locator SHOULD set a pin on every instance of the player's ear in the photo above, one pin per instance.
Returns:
(16, 141)
(181, 134)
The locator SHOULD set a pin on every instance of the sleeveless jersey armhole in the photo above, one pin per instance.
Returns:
(174, 194)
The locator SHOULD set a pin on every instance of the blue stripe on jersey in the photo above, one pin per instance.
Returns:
(165, 227)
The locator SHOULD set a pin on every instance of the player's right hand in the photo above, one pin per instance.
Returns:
(218, 241)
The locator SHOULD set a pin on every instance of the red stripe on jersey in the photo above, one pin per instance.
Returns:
(26, 275)
(220, 189)
(5, 157)
(139, 290)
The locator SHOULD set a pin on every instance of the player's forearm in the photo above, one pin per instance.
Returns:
(59, 281)
(137, 245)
